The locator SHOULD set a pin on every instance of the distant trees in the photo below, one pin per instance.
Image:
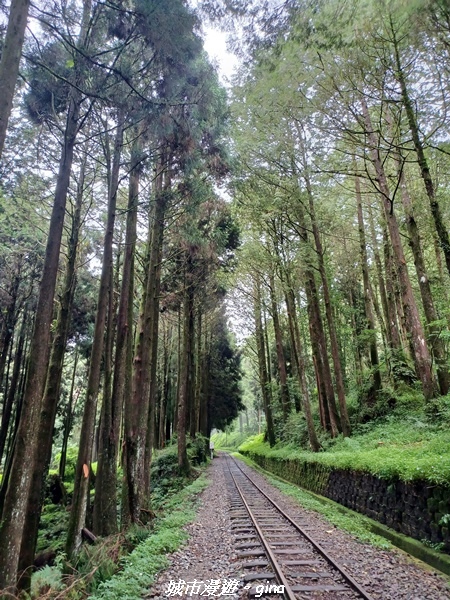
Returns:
(337, 157)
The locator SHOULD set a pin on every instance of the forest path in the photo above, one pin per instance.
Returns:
(210, 557)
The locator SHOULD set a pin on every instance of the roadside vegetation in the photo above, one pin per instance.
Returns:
(406, 443)
(122, 565)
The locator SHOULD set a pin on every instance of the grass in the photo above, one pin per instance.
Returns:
(353, 523)
(406, 446)
(141, 566)
(228, 441)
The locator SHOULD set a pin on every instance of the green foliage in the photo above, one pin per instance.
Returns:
(47, 578)
(405, 445)
(229, 440)
(140, 567)
(165, 474)
(295, 430)
(224, 392)
(52, 528)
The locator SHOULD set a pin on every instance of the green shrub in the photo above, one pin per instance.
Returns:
(140, 567)
(46, 579)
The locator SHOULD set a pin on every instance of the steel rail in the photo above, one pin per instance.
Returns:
(288, 593)
(354, 584)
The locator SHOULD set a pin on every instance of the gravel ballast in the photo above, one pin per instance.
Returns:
(210, 554)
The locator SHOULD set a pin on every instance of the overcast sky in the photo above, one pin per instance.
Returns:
(216, 46)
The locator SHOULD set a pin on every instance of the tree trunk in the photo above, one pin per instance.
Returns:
(16, 500)
(390, 316)
(436, 343)
(186, 365)
(344, 420)
(137, 404)
(51, 398)
(82, 469)
(285, 400)
(8, 324)
(436, 213)
(9, 400)
(105, 509)
(301, 370)
(10, 59)
(374, 361)
(263, 379)
(421, 355)
(67, 421)
(318, 342)
(155, 276)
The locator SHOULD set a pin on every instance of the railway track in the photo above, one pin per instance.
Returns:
(280, 559)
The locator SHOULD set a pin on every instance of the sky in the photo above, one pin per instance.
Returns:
(216, 46)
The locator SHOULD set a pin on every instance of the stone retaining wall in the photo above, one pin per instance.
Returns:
(415, 509)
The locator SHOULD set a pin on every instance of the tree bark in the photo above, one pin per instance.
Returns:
(285, 399)
(16, 500)
(186, 364)
(436, 213)
(301, 370)
(105, 506)
(10, 60)
(9, 400)
(82, 469)
(388, 305)
(436, 343)
(68, 419)
(373, 350)
(344, 420)
(263, 379)
(137, 404)
(51, 398)
(421, 355)
(9, 322)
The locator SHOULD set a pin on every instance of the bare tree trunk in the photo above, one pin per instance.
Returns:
(301, 371)
(155, 275)
(186, 364)
(105, 506)
(390, 316)
(8, 323)
(327, 401)
(436, 213)
(9, 400)
(137, 404)
(68, 419)
(318, 342)
(355, 330)
(199, 360)
(344, 420)
(436, 344)
(285, 400)
(51, 398)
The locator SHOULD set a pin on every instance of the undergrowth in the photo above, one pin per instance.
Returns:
(144, 546)
(408, 444)
(140, 567)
